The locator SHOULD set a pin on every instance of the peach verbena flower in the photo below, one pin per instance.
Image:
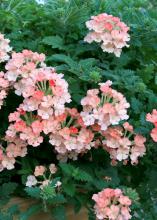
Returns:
(15, 148)
(4, 48)
(68, 134)
(111, 204)
(4, 87)
(104, 106)
(43, 89)
(27, 126)
(39, 170)
(22, 64)
(45, 174)
(45, 92)
(153, 119)
(109, 31)
(123, 144)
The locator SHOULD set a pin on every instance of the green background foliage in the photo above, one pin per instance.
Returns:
(57, 29)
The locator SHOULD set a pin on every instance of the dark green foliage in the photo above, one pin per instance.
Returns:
(59, 213)
(76, 173)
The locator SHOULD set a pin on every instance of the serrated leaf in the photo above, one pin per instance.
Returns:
(87, 64)
(63, 58)
(59, 198)
(82, 175)
(54, 41)
(76, 172)
(48, 192)
(33, 192)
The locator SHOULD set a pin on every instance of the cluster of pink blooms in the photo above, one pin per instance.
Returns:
(42, 172)
(123, 144)
(4, 83)
(27, 126)
(45, 92)
(43, 89)
(4, 48)
(112, 204)
(104, 106)
(109, 31)
(15, 148)
(43, 112)
(4, 86)
(68, 134)
(22, 64)
(153, 119)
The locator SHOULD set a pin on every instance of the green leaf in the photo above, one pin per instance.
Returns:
(62, 58)
(59, 213)
(69, 188)
(54, 41)
(87, 64)
(57, 199)
(79, 174)
(33, 192)
(76, 172)
(48, 192)
(91, 215)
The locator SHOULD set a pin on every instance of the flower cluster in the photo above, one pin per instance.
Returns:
(43, 89)
(68, 134)
(109, 31)
(104, 106)
(4, 48)
(27, 126)
(22, 64)
(45, 92)
(43, 112)
(15, 148)
(153, 119)
(123, 144)
(112, 204)
(4, 86)
(41, 172)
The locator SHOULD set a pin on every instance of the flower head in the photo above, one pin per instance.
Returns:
(109, 31)
(104, 107)
(112, 204)
(31, 181)
(39, 170)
